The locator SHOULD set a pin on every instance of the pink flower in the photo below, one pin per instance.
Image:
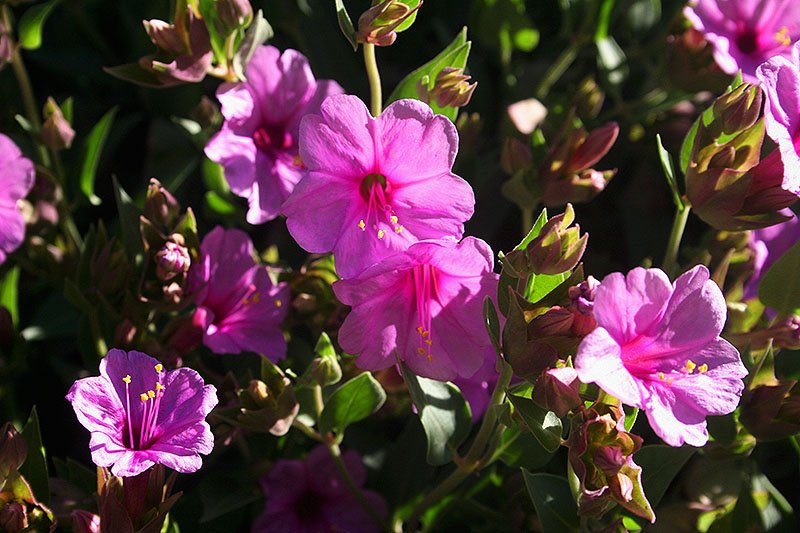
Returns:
(745, 33)
(16, 180)
(780, 78)
(657, 347)
(423, 306)
(257, 144)
(376, 185)
(768, 245)
(139, 415)
(238, 307)
(310, 496)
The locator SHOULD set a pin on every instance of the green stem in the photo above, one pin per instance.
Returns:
(557, 69)
(671, 255)
(527, 220)
(471, 461)
(376, 96)
(336, 453)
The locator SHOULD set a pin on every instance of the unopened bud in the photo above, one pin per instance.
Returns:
(326, 370)
(724, 158)
(515, 156)
(256, 395)
(738, 109)
(206, 113)
(167, 37)
(124, 333)
(450, 88)
(557, 390)
(13, 449)
(160, 206)
(377, 25)
(233, 14)
(85, 522)
(14, 517)
(558, 247)
(172, 259)
(589, 98)
(593, 147)
(581, 296)
(56, 132)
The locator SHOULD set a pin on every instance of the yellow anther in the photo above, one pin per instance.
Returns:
(245, 301)
(703, 368)
(398, 229)
(428, 342)
(159, 387)
(381, 233)
(425, 333)
(143, 396)
(668, 382)
(782, 36)
(362, 225)
(421, 351)
(661, 376)
(297, 161)
(419, 330)
(430, 358)
(393, 218)
(256, 297)
(159, 367)
(278, 303)
(151, 394)
(127, 379)
(690, 366)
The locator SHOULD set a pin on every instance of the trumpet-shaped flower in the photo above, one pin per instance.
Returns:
(423, 306)
(310, 496)
(376, 185)
(238, 307)
(140, 415)
(745, 33)
(657, 347)
(780, 78)
(257, 144)
(16, 180)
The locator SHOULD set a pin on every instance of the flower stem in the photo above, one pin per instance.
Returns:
(336, 453)
(670, 264)
(559, 66)
(376, 96)
(471, 461)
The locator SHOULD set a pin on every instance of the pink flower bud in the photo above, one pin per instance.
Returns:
(557, 390)
(166, 36)
(84, 521)
(172, 259)
(233, 14)
(515, 156)
(160, 206)
(14, 517)
(377, 25)
(56, 132)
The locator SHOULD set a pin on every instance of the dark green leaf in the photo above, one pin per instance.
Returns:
(519, 449)
(129, 215)
(544, 424)
(221, 495)
(505, 26)
(780, 286)
(505, 279)
(553, 502)
(355, 400)
(746, 516)
(345, 24)
(445, 415)
(93, 149)
(492, 323)
(612, 60)
(9, 289)
(787, 364)
(66, 109)
(541, 285)
(257, 34)
(135, 73)
(34, 469)
(669, 172)
(31, 24)
(660, 464)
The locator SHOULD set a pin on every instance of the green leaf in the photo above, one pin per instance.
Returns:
(612, 61)
(345, 24)
(544, 424)
(669, 171)
(631, 414)
(505, 279)
(553, 502)
(93, 148)
(129, 215)
(66, 109)
(519, 449)
(688, 141)
(492, 323)
(218, 204)
(9, 290)
(445, 415)
(505, 26)
(212, 22)
(541, 285)
(257, 34)
(454, 55)
(31, 24)
(135, 73)
(355, 400)
(410, 20)
(324, 347)
(746, 516)
(660, 464)
(787, 364)
(644, 14)
(34, 469)
(780, 286)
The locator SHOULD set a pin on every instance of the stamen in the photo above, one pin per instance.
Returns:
(425, 290)
(362, 225)
(782, 36)
(278, 303)
(661, 376)
(159, 367)
(373, 190)
(143, 396)
(702, 368)
(381, 233)
(690, 366)
(127, 380)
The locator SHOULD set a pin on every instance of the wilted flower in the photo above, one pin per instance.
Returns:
(376, 185)
(16, 180)
(238, 306)
(768, 245)
(377, 24)
(140, 415)
(257, 144)
(423, 306)
(657, 347)
(745, 33)
(310, 495)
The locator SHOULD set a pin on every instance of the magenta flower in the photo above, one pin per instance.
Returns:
(16, 180)
(257, 144)
(140, 415)
(745, 33)
(310, 496)
(423, 306)
(376, 185)
(780, 78)
(238, 307)
(657, 347)
(768, 245)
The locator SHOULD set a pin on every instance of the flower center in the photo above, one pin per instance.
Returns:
(375, 191)
(747, 41)
(782, 36)
(151, 402)
(271, 138)
(669, 377)
(425, 291)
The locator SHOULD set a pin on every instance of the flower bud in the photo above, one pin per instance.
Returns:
(771, 411)
(233, 14)
(268, 407)
(377, 25)
(14, 517)
(449, 90)
(84, 521)
(326, 370)
(515, 157)
(581, 296)
(172, 259)
(167, 36)
(590, 149)
(558, 247)
(108, 267)
(56, 132)
(738, 109)
(589, 98)
(13, 449)
(206, 113)
(557, 390)
(160, 206)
